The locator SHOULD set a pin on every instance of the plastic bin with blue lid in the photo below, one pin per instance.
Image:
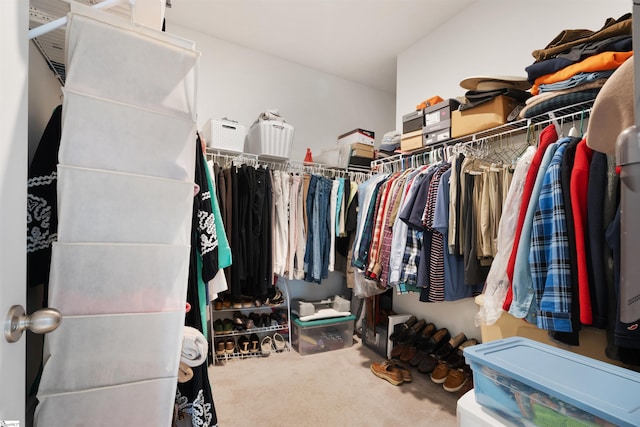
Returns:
(528, 381)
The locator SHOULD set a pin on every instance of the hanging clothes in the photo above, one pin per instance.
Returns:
(194, 396)
(42, 213)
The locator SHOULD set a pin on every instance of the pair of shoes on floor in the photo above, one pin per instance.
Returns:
(454, 361)
(225, 346)
(442, 351)
(273, 343)
(223, 326)
(387, 371)
(424, 358)
(457, 379)
(401, 327)
(248, 344)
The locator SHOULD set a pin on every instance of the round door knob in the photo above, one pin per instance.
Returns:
(41, 322)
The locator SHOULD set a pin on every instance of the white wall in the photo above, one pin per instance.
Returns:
(240, 83)
(490, 37)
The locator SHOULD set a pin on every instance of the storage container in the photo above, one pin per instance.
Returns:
(411, 141)
(547, 386)
(270, 138)
(318, 336)
(362, 136)
(482, 117)
(225, 135)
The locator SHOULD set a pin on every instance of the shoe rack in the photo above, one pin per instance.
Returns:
(238, 341)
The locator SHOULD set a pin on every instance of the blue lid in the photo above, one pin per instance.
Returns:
(608, 391)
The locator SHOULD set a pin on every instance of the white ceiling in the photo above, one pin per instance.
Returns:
(354, 39)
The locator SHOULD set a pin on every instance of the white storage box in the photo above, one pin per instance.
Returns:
(225, 135)
(361, 136)
(270, 138)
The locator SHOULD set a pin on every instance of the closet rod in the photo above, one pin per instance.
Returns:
(61, 22)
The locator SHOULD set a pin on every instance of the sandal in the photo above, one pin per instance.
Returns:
(278, 342)
(265, 345)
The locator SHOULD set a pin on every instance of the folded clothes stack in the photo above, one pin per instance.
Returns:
(389, 144)
(574, 66)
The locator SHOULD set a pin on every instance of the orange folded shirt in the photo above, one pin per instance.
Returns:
(600, 62)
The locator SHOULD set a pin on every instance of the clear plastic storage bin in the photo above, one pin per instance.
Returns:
(522, 379)
(318, 336)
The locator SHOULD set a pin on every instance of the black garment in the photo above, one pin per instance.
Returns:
(42, 206)
(237, 267)
(570, 338)
(204, 221)
(263, 211)
(479, 97)
(458, 214)
(194, 397)
(596, 227)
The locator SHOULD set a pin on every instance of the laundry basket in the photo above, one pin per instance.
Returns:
(270, 138)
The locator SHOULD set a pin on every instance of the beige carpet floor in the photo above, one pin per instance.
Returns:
(334, 388)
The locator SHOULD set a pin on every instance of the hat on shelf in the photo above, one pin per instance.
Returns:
(495, 82)
(613, 110)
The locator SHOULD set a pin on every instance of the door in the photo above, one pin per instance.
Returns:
(13, 195)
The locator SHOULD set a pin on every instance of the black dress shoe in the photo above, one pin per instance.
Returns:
(423, 338)
(428, 364)
(449, 347)
(436, 341)
(401, 327)
(410, 334)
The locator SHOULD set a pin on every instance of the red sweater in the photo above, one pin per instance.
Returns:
(579, 188)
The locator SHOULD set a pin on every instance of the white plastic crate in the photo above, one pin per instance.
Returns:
(225, 134)
(270, 138)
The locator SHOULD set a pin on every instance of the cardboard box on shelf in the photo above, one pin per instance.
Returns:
(362, 150)
(485, 116)
(357, 135)
(438, 116)
(411, 141)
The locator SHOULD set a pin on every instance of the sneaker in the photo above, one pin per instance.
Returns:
(386, 371)
(440, 373)
(456, 379)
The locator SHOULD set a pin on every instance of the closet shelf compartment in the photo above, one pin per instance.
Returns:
(282, 327)
(221, 358)
(575, 112)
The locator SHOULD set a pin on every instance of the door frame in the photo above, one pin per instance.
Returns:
(14, 19)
